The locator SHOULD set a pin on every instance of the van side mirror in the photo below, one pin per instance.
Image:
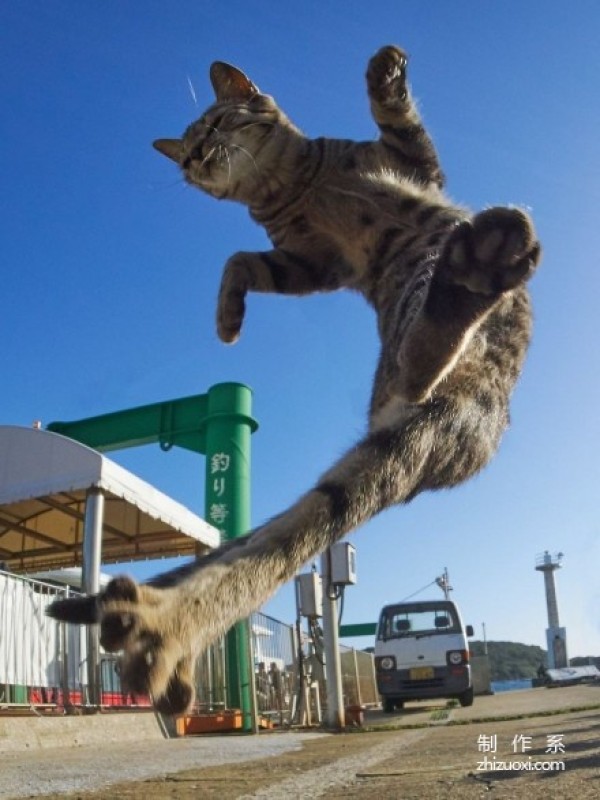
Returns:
(470, 631)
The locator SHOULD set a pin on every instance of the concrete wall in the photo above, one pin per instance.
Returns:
(480, 670)
(33, 732)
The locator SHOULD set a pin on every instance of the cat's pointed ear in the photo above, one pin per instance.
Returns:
(171, 148)
(230, 83)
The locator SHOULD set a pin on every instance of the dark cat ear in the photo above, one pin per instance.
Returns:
(171, 148)
(230, 83)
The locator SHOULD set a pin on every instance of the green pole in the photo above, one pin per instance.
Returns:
(228, 426)
(219, 425)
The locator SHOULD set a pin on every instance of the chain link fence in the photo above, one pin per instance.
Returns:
(275, 659)
(359, 683)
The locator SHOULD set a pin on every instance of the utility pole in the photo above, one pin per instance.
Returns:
(444, 583)
(333, 668)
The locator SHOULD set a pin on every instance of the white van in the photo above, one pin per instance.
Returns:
(421, 652)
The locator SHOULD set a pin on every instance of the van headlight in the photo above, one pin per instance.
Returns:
(386, 662)
(456, 657)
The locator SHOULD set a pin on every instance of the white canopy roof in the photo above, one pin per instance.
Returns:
(44, 478)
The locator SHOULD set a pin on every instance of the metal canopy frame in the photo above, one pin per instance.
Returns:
(45, 484)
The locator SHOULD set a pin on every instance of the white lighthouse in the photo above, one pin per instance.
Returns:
(556, 637)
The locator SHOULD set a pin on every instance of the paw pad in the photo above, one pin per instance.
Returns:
(386, 75)
(492, 253)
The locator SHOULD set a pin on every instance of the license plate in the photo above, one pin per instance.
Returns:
(421, 673)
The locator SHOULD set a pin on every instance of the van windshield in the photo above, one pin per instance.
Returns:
(418, 619)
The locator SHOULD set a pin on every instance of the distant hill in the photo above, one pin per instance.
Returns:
(511, 660)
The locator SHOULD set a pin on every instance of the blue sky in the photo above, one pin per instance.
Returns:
(110, 265)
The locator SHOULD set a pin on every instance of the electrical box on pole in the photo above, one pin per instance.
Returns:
(309, 590)
(343, 564)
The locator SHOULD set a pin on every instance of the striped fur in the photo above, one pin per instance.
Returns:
(454, 321)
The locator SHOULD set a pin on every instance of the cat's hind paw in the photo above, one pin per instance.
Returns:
(492, 253)
(386, 76)
(144, 623)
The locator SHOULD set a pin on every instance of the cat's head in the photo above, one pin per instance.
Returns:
(228, 152)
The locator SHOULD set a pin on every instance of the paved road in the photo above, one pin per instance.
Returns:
(525, 702)
(71, 768)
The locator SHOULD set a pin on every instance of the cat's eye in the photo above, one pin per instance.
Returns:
(215, 123)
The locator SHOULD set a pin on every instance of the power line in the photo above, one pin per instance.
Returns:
(418, 592)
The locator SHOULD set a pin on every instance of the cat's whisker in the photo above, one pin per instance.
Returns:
(228, 166)
(208, 156)
(180, 182)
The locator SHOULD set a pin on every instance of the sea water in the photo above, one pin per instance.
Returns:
(511, 686)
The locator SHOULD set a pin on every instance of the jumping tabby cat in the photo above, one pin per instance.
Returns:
(453, 314)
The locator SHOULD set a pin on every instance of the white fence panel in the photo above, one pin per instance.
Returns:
(30, 642)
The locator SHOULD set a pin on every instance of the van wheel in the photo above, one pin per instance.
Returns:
(466, 698)
(399, 705)
(389, 704)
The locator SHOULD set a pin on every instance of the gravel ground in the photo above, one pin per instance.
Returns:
(77, 769)
(439, 759)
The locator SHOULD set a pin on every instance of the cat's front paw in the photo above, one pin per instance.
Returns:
(492, 253)
(231, 307)
(230, 315)
(386, 76)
